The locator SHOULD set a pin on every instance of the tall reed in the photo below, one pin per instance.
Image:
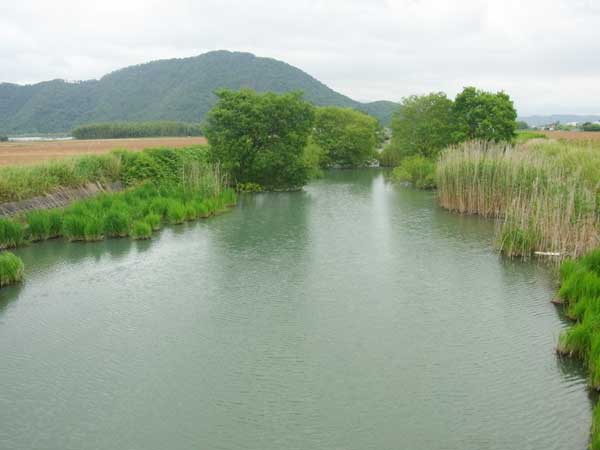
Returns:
(547, 196)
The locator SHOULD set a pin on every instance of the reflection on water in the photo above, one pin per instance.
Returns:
(352, 315)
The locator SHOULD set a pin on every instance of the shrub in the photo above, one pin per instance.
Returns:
(140, 230)
(11, 269)
(417, 170)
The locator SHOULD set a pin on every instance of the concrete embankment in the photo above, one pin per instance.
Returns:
(59, 199)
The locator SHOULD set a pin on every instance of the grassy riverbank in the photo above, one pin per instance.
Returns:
(580, 294)
(547, 194)
(163, 186)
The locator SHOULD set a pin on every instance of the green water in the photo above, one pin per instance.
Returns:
(354, 315)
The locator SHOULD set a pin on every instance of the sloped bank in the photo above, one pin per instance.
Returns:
(59, 199)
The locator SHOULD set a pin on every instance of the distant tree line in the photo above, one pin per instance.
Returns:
(589, 126)
(3, 138)
(119, 130)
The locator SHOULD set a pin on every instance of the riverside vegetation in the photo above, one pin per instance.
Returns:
(580, 295)
(163, 186)
(259, 141)
(546, 194)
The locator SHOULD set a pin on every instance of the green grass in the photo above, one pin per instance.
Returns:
(164, 186)
(12, 234)
(23, 182)
(113, 215)
(141, 230)
(175, 213)
(11, 269)
(580, 292)
(44, 224)
(131, 168)
(154, 220)
(526, 135)
(116, 222)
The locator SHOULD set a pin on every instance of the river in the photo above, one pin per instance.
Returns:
(354, 315)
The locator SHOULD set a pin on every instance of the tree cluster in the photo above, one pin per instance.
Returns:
(120, 130)
(277, 141)
(424, 125)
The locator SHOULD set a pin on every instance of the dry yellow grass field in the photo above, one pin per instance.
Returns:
(18, 153)
(573, 135)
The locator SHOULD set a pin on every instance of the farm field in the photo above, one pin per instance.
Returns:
(572, 135)
(18, 153)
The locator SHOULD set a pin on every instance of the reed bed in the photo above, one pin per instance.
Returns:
(546, 195)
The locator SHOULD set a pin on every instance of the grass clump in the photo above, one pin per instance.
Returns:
(12, 234)
(176, 212)
(44, 224)
(141, 230)
(11, 269)
(154, 220)
(116, 222)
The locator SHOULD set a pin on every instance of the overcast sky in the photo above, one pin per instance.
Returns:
(545, 54)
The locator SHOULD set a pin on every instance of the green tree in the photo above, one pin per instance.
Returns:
(483, 115)
(260, 138)
(347, 137)
(588, 126)
(522, 125)
(421, 126)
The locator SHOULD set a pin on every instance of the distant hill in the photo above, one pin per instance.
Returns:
(536, 121)
(173, 89)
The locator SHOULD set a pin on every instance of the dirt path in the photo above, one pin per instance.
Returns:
(16, 153)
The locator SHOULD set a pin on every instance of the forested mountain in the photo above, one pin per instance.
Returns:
(174, 89)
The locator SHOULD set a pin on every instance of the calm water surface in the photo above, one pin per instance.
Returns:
(354, 315)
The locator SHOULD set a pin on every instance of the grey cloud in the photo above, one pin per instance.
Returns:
(541, 52)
